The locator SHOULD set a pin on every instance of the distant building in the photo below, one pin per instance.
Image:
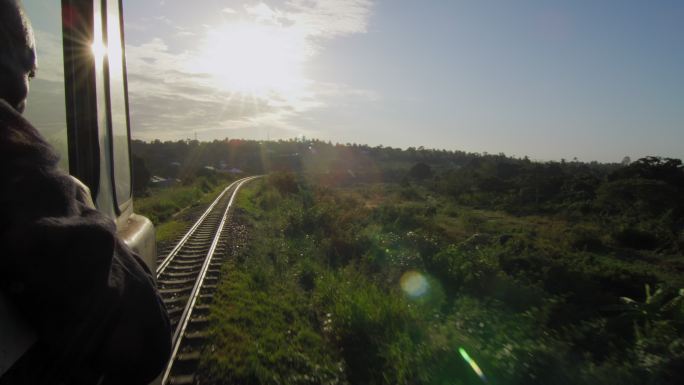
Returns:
(157, 181)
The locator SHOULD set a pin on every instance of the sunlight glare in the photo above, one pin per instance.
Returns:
(97, 47)
(257, 59)
(99, 51)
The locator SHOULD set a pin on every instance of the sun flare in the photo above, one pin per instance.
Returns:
(256, 59)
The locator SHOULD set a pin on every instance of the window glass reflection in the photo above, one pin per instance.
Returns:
(122, 174)
(46, 108)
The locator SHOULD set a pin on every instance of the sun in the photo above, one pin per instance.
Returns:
(256, 59)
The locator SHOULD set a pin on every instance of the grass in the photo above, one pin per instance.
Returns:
(245, 199)
(261, 319)
(161, 205)
(332, 289)
(262, 334)
(170, 230)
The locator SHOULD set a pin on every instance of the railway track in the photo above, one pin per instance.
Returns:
(187, 277)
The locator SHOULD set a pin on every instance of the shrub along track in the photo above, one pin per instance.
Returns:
(187, 216)
(187, 277)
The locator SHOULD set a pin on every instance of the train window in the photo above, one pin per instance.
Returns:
(119, 115)
(46, 108)
(105, 199)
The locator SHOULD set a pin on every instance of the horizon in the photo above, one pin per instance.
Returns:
(551, 80)
(480, 153)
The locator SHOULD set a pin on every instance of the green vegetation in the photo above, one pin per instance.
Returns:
(351, 162)
(390, 283)
(170, 230)
(161, 205)
(375, 265)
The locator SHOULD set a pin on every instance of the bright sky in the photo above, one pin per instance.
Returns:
(596, 80)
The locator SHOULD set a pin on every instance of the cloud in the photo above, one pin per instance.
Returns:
(330, 18)
(163, 19)
(185, 32)
(170, 99)
(316, 18)
(262, 13)
(168, 102)
(343, 92)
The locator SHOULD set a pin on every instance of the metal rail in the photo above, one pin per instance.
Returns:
(167, 260)
(191, 263)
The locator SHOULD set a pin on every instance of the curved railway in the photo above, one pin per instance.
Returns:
(187, 277)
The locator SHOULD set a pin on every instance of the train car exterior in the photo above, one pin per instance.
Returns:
(79, 101)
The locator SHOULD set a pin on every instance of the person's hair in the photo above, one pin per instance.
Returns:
(15, 31)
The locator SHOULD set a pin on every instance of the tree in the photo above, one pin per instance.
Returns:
(420, 171)
(141, 175)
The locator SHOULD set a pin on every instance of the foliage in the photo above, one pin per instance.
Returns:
(537, 270)
(168, 231)
(163, 203)
(262, 334)
(140, 176)
(420, 171)
(285, 182)
(336, 164)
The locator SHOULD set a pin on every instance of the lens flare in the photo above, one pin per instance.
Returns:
(472, 364)
(414, 284)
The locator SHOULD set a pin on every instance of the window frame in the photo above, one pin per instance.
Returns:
(86, 104)
(120, 207)
(81, 93)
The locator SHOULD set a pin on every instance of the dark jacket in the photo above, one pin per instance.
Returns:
(92, 302)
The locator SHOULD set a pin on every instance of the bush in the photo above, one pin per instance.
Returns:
(377, 332)
(307, 274)
(533, 304)
(643, 197)
(405, 216)
(268, 198)
(420, 171)
(635, 238)
(471, 221)
(471, 270)
(285, 182)
(163, 203)
(582, 238)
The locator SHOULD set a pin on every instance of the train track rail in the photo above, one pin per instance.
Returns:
(187, 278)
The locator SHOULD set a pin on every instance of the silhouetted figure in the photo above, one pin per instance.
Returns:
(92, 302)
